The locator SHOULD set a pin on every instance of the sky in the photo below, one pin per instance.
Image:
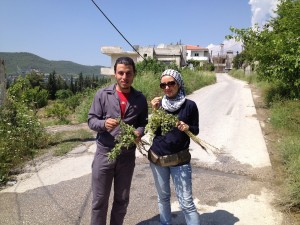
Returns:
(76, 30)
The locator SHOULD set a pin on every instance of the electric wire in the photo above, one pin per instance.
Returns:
(117, 29)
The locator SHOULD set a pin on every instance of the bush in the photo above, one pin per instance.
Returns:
(73, 101)
(22, 91)
(20, 135)
(285, 117)
(60, 111)
(275, 92)
(194, 80)
(63, 94)
(150, 65)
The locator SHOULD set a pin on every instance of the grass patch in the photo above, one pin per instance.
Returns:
(285, 118)
(241, 75)
(65, 141)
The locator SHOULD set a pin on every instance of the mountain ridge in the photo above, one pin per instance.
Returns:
(23, 62)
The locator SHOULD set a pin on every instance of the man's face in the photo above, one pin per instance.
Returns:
(124, 76)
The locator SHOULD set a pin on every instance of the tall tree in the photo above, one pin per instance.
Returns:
(276, 48)
(51, 85)
(72, 86)
(80, 82)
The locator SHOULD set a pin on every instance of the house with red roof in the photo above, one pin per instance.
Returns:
(197, 53)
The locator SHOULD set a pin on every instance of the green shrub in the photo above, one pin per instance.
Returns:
(63, 94)
(60, 111)
(194, 80)
(20, 136)
(73, 101)
(285, 117)
(148, 84)
(22, 91)
(275, 92)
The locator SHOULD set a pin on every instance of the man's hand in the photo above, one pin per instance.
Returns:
(111, 124)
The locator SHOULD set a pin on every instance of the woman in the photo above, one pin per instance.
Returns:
(169, 154)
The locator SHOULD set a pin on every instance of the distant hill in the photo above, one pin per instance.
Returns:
(22, 62)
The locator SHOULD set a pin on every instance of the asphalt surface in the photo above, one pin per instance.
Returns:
(233, 187)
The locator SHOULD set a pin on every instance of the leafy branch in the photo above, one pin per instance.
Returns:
(124, 140)
(167, 122)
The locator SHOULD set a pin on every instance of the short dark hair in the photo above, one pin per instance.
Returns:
(126, 61)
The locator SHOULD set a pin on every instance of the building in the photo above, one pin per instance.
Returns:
(114, 53)
(223, 62)
(167, 54)
(197, 53)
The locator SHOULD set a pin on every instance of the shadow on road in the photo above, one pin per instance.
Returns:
(219, 217)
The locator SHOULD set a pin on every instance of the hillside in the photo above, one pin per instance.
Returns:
(22, 62)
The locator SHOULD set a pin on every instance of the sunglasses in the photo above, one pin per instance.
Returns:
(169, 84)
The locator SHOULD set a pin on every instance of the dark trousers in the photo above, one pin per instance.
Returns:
(104, 174)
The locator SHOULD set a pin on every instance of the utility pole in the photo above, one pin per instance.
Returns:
(2, 82)
(221, 57)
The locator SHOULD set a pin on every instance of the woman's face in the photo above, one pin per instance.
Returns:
(169, 86)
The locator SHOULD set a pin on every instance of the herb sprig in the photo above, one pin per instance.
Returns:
(167, 122)
(124, 140)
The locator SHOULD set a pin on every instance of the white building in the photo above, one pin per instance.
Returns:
(197, 53)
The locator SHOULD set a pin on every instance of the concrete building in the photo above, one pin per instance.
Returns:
(115, 52)
(167, 54)
(223, 62)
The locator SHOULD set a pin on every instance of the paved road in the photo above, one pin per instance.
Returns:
(233, 188)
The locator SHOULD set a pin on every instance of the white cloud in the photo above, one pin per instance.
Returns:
(262, 10)
(228, 45)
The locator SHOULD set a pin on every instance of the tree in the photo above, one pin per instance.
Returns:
(22, 91)
(276, 48)
(72, 86)
(52, 85)
(36, 80)
(150, 65)
(80, 82)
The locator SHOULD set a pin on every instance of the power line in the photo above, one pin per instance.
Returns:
(117, 29)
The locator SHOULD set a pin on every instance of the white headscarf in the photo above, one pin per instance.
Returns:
(173, 104)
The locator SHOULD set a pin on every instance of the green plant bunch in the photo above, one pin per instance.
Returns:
(159, 118)
(124, 140)
(167, 121)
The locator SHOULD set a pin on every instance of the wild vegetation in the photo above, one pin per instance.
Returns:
(273, 52)
(33, 104)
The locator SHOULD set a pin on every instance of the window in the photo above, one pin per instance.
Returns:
(145, 55)
(196, 54)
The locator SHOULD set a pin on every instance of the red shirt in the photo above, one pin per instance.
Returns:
(123, 102)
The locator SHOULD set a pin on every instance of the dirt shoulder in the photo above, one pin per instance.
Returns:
(271, 138)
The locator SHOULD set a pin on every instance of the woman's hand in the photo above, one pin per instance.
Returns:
(111, 124)
(138, 136)
(155, 102)
(182, 126)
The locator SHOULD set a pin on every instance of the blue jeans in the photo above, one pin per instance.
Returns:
(182, 179)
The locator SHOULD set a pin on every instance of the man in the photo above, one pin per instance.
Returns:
(119, 100)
